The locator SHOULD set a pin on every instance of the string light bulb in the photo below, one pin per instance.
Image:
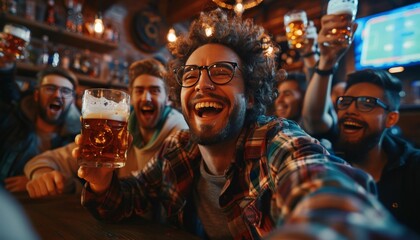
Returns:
(98, 24)
(171, 35)
(240, 5)
(208, 30)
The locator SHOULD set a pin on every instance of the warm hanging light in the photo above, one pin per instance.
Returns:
(171, 35)
(208, 30)
(98, 25)
(240, 5)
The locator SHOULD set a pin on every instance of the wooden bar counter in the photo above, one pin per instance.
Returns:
(63, 217)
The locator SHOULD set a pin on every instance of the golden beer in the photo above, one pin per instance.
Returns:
(296, 23)
(347, 10)
(104, 142)
(105, 115)
(14, 40)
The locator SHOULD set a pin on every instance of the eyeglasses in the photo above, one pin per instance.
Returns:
(363, 103)
(50, 89)
(220, 73)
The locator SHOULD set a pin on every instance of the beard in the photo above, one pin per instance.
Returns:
(206, 134)
(60, 120)
(356, 152)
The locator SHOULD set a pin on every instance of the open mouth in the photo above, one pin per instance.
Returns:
(352, 125)
(147, 110)
(55, 107)
(207, 109)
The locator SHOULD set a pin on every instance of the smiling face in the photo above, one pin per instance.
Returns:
(53, 107)
(288, 104)
(214, 113)
(149, 99)
(361, 131)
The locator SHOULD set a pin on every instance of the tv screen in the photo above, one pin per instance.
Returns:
(388, 39)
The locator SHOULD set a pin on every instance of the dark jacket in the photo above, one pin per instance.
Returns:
(399, 187)
(18, 137)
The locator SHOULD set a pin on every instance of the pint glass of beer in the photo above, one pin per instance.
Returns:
(295, 23)
(347, 9)
(13, 41)
(105, 115)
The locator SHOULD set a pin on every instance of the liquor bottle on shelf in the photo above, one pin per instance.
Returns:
(11, 6)
(71, 17)
(65, 59)
(30, 6)
(76, 63)
(124, 72)
(50, 13)
(44, 56)
(78, 18)
(54, 58)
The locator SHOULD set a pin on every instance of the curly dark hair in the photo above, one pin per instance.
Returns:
(248, 40)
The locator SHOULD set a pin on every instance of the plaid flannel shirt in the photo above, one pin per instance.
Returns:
(281, 179)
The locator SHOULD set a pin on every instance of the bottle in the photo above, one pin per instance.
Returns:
(12, 7)
(76, 63)
(71, 17)
(54, 58)
(30, 9)
(124, 73)
(78, 18)
(65, 59)
(50, 13)
(44, 57)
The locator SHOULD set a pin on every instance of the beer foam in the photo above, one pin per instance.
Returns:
(342, 7)
(93, 107)
(17, 31)
(111, 115)
(295, 16)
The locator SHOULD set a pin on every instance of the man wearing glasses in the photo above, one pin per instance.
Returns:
(33, 123)
(150, 122)
(237, 174)
(360, 128)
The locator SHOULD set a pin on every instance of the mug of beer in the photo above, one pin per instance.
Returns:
(105, 115)
(296, 23)
(13, 41)
(347, 9)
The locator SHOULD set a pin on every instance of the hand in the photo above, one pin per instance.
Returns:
(46, 183)
(330, 55)
(16, 184)
(99, 179)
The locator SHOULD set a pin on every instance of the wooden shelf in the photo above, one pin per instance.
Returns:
(30, 70)
(59, 35)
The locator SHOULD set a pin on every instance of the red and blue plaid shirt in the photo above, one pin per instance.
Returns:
(281, 182)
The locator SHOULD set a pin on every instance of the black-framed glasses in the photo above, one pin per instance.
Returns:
(363, 103)
(51, 88)
(220, 73)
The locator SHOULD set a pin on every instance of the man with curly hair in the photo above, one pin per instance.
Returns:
(236, 174)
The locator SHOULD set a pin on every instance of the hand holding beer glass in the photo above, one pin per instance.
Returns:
(347, 10)
(105, 115)
(13, 41)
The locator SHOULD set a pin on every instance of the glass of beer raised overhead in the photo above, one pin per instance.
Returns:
(295, 23)
(13, 41)
(105, 115)
(347, 10)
